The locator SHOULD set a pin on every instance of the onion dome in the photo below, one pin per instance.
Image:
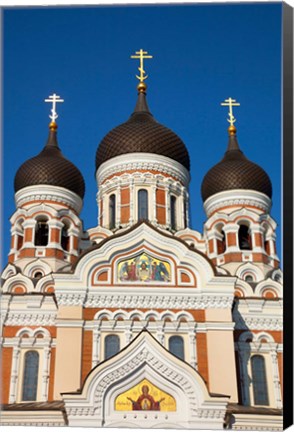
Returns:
(235, 171)
(141, 133)
(50, 167)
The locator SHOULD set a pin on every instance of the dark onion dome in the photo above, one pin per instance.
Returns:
(143, 134)
(235, 171)
(50, 167)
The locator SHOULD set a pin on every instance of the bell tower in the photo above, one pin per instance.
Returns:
(237, 200)
(49, 191)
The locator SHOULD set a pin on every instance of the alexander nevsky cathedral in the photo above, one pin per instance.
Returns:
(141, 321)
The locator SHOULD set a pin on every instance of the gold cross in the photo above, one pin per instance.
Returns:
(230, 103)
(141, 55)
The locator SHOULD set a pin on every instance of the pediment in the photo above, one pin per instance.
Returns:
(144, 362)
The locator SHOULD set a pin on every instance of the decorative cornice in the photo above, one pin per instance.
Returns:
(48, 193)
(258, 323)
(143, 161)
(30, 319)
(158, 301)
(238, 197)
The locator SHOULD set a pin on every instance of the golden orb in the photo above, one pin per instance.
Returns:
(142, 87)
(232, 130)
(53, 126)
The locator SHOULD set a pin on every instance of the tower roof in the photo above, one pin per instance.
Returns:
(235, 171)
(50, 167)
(141, 133)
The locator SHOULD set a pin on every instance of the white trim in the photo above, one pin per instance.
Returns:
(237, 197)
(48, 193)
(146, 161)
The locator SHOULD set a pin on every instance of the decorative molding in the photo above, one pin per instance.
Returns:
(237, 197)
(143, 161)
(30, 319)
(152, 301)
(48, 193)
(258, 322)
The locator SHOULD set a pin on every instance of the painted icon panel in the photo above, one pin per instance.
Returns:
(145, 396)
(144, 268)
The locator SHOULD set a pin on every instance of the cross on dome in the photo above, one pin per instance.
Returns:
(54, 99)
(230, 103)
(141, 55)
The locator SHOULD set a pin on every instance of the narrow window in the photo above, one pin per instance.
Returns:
(142, 204)
(19, 241)
(41, 233)
(244, 238)
(173, 216)
(112, 211)
(260, 391)
(176, 346)
(221, 243)
(30, 380)
(111, 346)
(65, 238)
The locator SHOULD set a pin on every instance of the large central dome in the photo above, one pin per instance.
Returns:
(142, 134)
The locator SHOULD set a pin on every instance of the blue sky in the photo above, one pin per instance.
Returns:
(203, 54)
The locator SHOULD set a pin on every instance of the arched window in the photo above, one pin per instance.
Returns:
(111, 345)
(112, 211)
(249, 278)
(176, 346)
(65, 238)
(30, 379)
(244, 238)
(142, 204)
(173, 213)
(260, 391)
(41, 233)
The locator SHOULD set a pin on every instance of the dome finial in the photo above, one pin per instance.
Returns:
(230, 103)
(142, 77)
(53, 99)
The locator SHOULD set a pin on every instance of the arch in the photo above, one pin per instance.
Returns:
(259, 381)
(37, 265)
(111, 346)
(270, 285)
(30, 378)
(16, 280)
(142, 204)
(250, 269)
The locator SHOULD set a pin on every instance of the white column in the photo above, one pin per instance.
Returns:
(276, 380)
(118, 207)
(187, 209)
(153, 206)
(181, 220)
(14, 374)
(244, 364)
(45, 374)
(167, 205)
(132, 202)
(96, 347)
(193, 353)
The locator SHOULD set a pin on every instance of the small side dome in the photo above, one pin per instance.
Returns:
(142, 134)
(50, 167)
(235, 171)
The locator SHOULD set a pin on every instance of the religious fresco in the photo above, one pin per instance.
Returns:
(144, 268)
(145, 396)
